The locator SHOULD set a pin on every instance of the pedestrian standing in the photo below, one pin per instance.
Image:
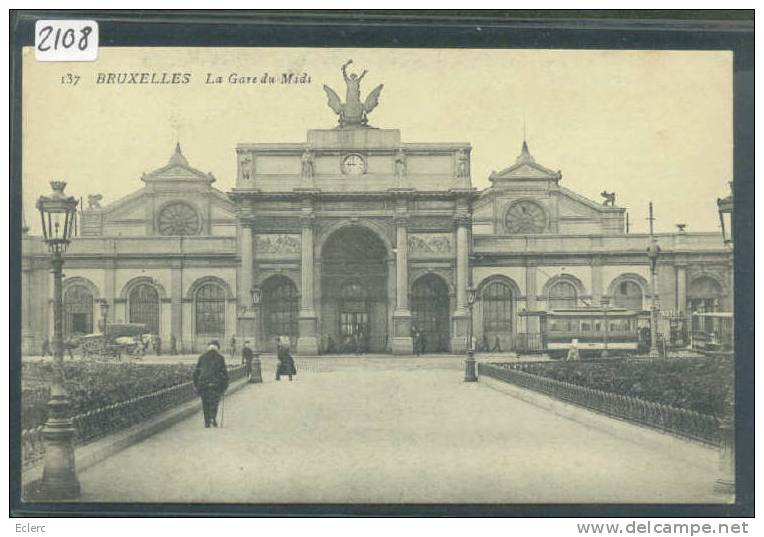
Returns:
(233, 345)
(45, 347)
(246, 358)
(211, 381)
(173, 345)
(158, 345)
(286, 362)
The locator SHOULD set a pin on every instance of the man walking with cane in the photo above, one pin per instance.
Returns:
(211, 382)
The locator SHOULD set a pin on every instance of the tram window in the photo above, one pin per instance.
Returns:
(586, 327)
(597, 327)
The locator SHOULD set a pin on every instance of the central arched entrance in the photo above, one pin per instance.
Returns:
(354, 295)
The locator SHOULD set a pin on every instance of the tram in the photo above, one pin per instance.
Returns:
(594, 330)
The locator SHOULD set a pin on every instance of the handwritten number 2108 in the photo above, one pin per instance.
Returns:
(65, 39)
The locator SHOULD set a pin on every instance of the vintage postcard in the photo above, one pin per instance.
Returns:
(353, 275)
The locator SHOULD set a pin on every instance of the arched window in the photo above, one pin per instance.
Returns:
(497, 307)
(78, 311)
(210, 310)
(704, 294)
(628, 295)
(143, 306)
(562, 296)
(281, 307)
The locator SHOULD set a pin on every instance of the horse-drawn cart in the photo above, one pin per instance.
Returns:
(118, 339)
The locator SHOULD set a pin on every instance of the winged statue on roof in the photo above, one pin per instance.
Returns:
(353, 112)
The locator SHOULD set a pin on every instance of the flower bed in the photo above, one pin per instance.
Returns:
(96, 385)
(699, 384)
(105, 398)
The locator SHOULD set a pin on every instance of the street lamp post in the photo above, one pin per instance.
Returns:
(59, 478)
(257, 374)
(605, 304)
(470, 375)
(726, 481)
(653, 251)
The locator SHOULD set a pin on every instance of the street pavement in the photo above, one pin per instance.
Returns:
(396, 430)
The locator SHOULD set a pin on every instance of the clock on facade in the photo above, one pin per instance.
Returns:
(525, 217)
(178, 218)
(353, 164)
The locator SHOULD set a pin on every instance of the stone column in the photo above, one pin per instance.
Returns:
(530, 284)
(461, 315)
(176, 307)
(681, 287)
(391, 300)
(245, 326)
(402, 341)
(597, 291)
(307, 341)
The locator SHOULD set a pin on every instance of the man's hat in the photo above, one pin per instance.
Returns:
(215, 342)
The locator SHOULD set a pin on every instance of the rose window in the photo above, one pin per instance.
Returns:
(179, 219)
(525, 217)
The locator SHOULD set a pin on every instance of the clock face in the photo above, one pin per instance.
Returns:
(178, 218)
(525, 217)
(353, 165)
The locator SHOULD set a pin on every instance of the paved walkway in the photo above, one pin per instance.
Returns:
(394, 430)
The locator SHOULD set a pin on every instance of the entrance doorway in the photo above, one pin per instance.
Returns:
(430, 312)
(354, 310)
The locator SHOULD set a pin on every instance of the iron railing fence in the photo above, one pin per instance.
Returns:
(100, 422)
(678, 421)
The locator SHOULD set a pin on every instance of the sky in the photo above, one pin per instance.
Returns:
(649, 125)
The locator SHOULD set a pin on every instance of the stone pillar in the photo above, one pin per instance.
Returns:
(461, 315)
(391, 301)
(597, 291)
(530, 284)
(681, 287)
(402, 341)
(307, 341)
(246, 322)
(176, 307)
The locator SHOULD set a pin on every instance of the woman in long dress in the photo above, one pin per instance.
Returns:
(286, 361)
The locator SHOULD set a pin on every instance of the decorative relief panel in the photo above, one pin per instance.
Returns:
(277, 244)
(440, 244)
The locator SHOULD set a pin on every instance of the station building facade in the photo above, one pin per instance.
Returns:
(354, 230)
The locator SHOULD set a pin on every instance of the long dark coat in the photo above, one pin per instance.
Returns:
(286, 362)
(211, 373)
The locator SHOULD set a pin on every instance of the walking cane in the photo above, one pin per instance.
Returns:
(222, 410)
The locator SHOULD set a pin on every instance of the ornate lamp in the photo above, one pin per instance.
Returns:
(59, 478)
(256, 374)
(257, 295)
(726, 220)
(471, 295)
(470, 375)
(726, 481)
